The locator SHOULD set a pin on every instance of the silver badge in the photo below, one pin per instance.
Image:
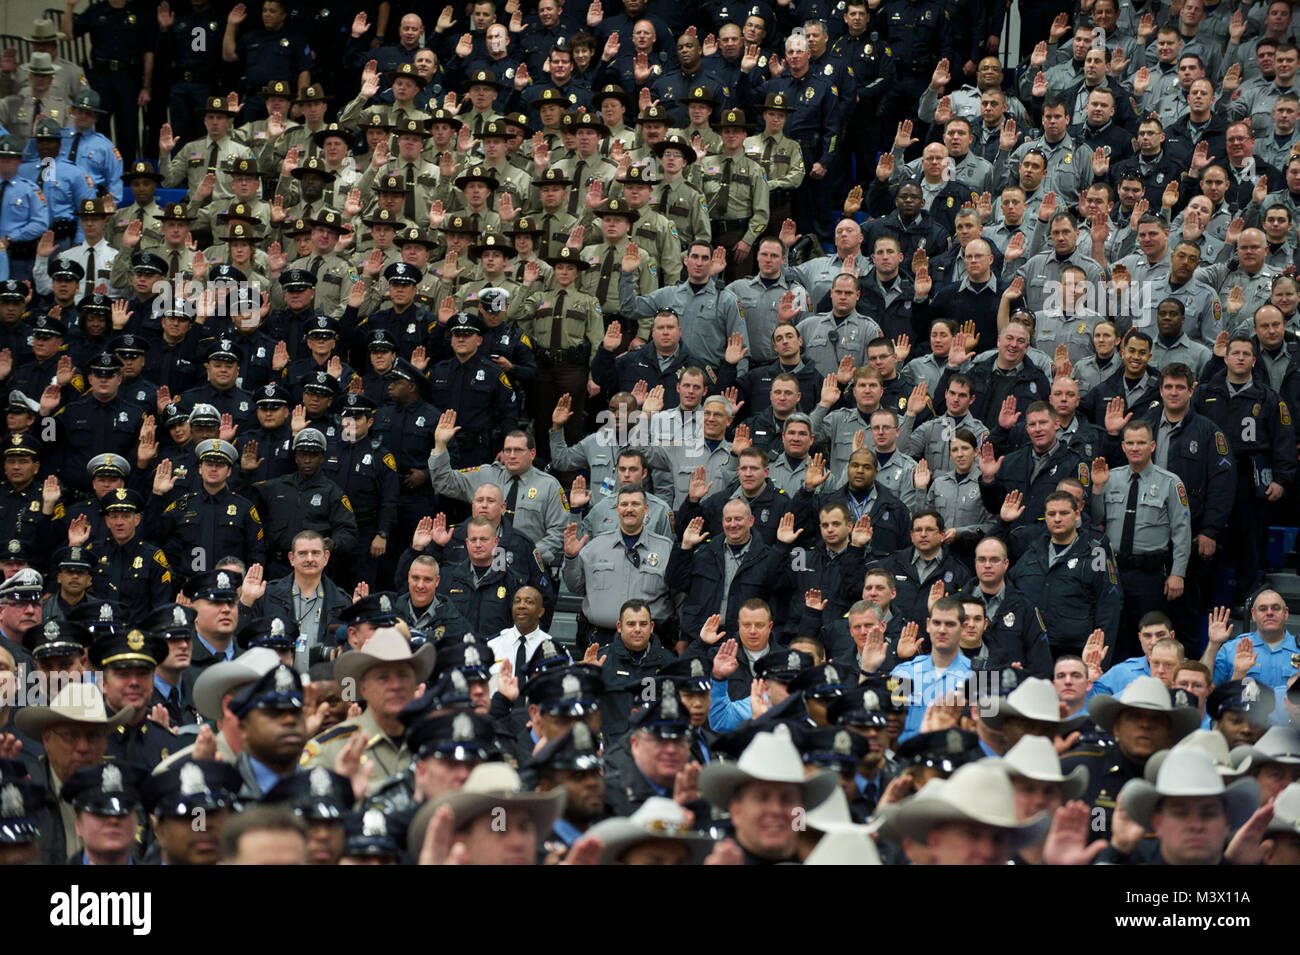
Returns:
(419, 422)
(570, 687)
(792, 661)
(458, 682)
(373, 824)
(472, 658)
(1072, 563)
(843, 744)
(1009, 620)
(320, 782)
(582, 737)
(462, 727)
(697, 670)
(669, 708)
(106, 613)
(479, 375)
(284, 680)
(1191, 447)
(870, 701)
(178, 617)
(762, 515)
(315, 500)
(830, 676)
(192, 781)
(11, 801)
(111, 780)
(1249, 690)
(51, 629)
(652, 560)
(277, 627)
(223, 580)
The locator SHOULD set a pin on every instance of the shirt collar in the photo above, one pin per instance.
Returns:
(226, 654)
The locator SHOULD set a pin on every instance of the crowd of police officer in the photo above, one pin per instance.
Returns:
(776, 335)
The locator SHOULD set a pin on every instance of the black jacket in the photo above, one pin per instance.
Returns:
(913, 593)
(1076, 595)
(701, 571)
(1031, 385)
(1015, 634)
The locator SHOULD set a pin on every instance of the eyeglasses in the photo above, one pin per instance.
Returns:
(74, 736)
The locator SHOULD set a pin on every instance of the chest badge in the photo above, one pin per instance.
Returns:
(532, 494)
(1009, 620)
(315, 500)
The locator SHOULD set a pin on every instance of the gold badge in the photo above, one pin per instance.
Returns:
(232, 510)
(501, 593)
(135, 640)
(532, 494)
(809, 93)
(828, 70)
(1257, 409)
(1069, 157)
(137, 563)
(1083, 327)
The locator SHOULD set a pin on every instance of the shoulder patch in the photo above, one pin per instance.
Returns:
(1284, 413)
(252, 512)
(564, 499)
(160, 558)
(390, 462)
(346, 502)
(1083, 474)
(1220, 443)
(335, 732)
(1182, 494)
(504, 380)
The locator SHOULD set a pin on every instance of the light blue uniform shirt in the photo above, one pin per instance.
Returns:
(928, 685)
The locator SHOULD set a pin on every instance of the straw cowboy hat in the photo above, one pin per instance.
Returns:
(489, 786)
(74, 703)
(1230, 765)
(844, 842)
(978, 792)
(386, 645)
(1034, 699)
(221, 678)
(1189, 772)
(1281, 744)
(658, 820)
(1144, 693)
(771, 758)
(1286, 812)
(1034, 757)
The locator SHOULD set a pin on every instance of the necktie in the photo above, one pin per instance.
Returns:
(576, 189)
(37, 108)
(606, 273)
(521, 657)
(1130, 518)
(557, 322)
(767, 153)
(90, 270)
(546, 235)
(724, 192)
(175, 262)
(512, 497)
(76, 144)
(663, 201)
(4, 187)
(478, 126)
(212, 158)
(314, 266)
(139, 213)
(408, 209)
(633, 557)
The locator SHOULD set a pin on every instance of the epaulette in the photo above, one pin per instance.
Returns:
(336, 732)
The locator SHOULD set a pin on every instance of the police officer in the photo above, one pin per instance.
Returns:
(24, 215)
(566, 327)
(779, 156)
(737, 194)
(476, 389)
(367, 473)
(64, 184)
(41, 369)
(103, 421)
(406, 323)
(333, 273)
(305, 500)
(630, 563)
(91, 151)
(190, 44)
(1033, 470)
(481, 588)
(221, 389)
(205, 525)
(212, 154)
(322, 339)
(265, 450)
(22, 512)
(404, 424)
(129, 571)
(126, 659)
(121, 63)
(289, 323)
(1149, 526)
(135, 387)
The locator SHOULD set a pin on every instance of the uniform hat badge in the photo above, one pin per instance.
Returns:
(462, 727)
(135, 640)
(320, 782)
(284, 682)
(192, 781)
(111, 780)
(373, 824)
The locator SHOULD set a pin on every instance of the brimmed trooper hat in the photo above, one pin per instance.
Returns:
(1286, 813)
(490, 787)
(658, 820)
(1281, 744)
(1034, 757)
(1189, 772)
(770, 757)
(1144, 693)
(979, 792)
(1230, 765)
(1034, 699)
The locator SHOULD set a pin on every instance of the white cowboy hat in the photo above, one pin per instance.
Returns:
(1144, 693)
(659, 819)
(978, 792)
(386, 645)
(772, 758)
(1230, 765)
(1286, 812)
(488, 787)
(1034, 757)
(1189, 772)
(845, 842)
(74, 703)
(1034, 699)
(1281, 744)
(221, 678)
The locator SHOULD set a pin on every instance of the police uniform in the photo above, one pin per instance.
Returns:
(200, 528)
(333, 273)
(931, 439)
(141, 742)
(737, 194)
(609, 571)
(1158, 545)
(367, 473)
(24, 214)
(134, 575)
(293, 503)
(483, 595)
(91, 426)
(1257, 424)
(481, 395)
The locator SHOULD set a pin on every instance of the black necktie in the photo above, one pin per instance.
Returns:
(576, 188)
(606, 274)
(512, 497)
(212, 158)
(1130, 517)
(90, 270)
(521, 657)
(37, 109)
(663, 200)
(724, 193)
(408, 209)
(557, 322)
(767, 153)
(76, 144)
(175, 263)
(314, 266)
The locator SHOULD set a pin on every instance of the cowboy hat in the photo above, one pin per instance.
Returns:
(1144, 693)
(844, 842)
(1189, 772)
(771, 758)
(1034, 699)
(490, 786)
(222, 678)
(1286, 812)
(1034, 757)
(978, 792)
(1230, 765)
(658, 820)
(1281, 744)
(386, 645)
(74, 703)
